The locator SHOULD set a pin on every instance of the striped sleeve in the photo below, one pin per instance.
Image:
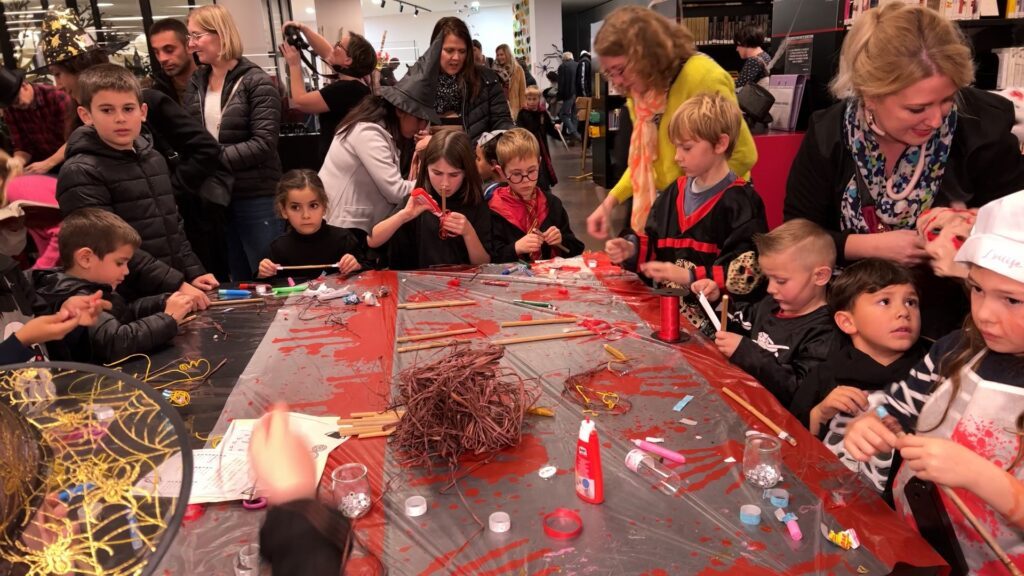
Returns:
(905, 398)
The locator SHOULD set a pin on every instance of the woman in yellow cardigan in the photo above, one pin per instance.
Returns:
(655, 63)
(516, 78)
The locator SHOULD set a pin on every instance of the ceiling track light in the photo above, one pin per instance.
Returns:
(401, 7)
(381, 3)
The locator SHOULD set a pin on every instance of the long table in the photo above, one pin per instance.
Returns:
(331, 359)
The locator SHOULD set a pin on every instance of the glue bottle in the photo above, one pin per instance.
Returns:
(589, 480)
(660, 476)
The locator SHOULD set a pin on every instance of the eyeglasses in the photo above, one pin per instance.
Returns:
(616, 72)
(197, 36)
(518, 177)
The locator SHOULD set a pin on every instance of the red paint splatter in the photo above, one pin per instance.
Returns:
(441, 561)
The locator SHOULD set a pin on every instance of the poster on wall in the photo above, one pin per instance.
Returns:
(521, 29)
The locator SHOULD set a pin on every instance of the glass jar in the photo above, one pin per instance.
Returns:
(762, 460)
(351, 490)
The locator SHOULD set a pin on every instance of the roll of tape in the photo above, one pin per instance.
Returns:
(499, 522)
(779, 497)
(563, 524)
(750, 515)
(415, 506)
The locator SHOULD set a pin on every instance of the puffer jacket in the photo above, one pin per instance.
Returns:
(127, 328)
(490, 110)
(135, 185)
(249, 127)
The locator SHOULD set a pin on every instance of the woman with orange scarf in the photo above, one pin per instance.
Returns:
(654, 61)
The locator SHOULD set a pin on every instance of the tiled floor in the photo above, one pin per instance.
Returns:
(579, 198)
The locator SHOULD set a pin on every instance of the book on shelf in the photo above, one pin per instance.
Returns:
(951, 9)
(713, 30)
(1011, 67)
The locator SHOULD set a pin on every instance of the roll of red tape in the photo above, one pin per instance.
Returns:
(563, 524)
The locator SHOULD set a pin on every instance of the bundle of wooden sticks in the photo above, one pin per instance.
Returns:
(370, 424)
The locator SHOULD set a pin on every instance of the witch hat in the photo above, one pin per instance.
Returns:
(416, 92)
(79, 445)
(63, 39)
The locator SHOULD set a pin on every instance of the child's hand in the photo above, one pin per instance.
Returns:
(941, 461)
(843, 399)
(179, 305)
(201, 299)
(708, 287)
(348, 264)
(529, 244)
(46, 328)
(867, 436)
(267, 269)
(413, 208)
(727, 343)
(665, 272)
(619, 250)
(552, 236)
(457, 224)
(86, 309)
(205, 282)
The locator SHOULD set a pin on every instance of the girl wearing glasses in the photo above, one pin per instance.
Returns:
(654, 62)
(240, 107)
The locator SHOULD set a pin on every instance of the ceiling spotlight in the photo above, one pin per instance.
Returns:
(401, 7)
(381, 3)
(416, 13)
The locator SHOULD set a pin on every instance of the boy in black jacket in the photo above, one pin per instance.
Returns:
(701, 226)
(876, 305)
(529, 223)
(539, 123)
(95, 248)
(109, 166)
(790, 330)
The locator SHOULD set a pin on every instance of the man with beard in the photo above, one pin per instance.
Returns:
(169, 40)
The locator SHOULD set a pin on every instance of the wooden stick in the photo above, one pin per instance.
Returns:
(435, 304)
(981, 530)
(426, 346)
(238, 302)
(433, 335)
(308, 267)
(357, 430)
(725, 312)
(371, 420)
(377, 434)
(538, 322)
(764, 419)
(189, 319)
(399, 412)
(557, 336)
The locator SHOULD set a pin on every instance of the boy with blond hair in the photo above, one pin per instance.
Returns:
(701, 225)
(529, 223)
(95, 249)
(779, 339)
(539, 123)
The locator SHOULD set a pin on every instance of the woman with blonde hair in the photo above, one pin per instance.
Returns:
(240, 107)
(901, 142)
(654, 62)
(516, 78)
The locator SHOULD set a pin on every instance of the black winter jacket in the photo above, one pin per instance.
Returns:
(567, 80)
(489, 111)
(127, 328)
(984, 162)
(135, 185)
(249, 128)
(191, 152)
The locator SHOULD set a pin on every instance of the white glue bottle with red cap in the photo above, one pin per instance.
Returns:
(589, 480)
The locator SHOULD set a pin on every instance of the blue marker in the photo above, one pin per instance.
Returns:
(234, 293)
(67, 494)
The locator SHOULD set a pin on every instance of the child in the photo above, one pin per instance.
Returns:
(529, 223)
(875, 304)
(791, 329)
(95, 248)
(702, 225)
(964, 403)
(302, 201)
(539, 123)
(487, 161)
(110, 166)
(462, 235)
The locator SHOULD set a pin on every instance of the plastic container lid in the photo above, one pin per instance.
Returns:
(499, 522)
(415, 506)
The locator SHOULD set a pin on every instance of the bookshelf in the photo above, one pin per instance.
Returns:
(714, 23)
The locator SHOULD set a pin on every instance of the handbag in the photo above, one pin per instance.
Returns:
(756, 102)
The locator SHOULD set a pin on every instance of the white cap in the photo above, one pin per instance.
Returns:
(997, 240)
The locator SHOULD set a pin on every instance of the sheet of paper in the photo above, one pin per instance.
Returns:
(223, 474)
(711, 311)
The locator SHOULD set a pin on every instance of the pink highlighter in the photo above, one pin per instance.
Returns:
(659, 451)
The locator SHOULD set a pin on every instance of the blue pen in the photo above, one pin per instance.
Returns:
(67, 494)
(234, 293)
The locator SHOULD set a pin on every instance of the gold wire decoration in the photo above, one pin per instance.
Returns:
(76, 442)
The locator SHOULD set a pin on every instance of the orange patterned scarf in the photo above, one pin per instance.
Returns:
(643, 153)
